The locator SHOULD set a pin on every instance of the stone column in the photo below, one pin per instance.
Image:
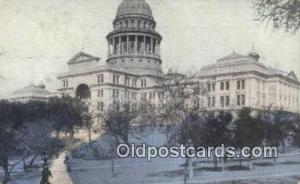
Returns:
(136, 44)
(156, 46)
(114, 46)
(151, 45)
(127, 42)
(144, 51)
(120, 45)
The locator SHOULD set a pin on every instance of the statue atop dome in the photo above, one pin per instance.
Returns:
(253, 53)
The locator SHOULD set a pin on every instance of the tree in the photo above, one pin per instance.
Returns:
(67, 113)
(35, 139)
(118, 124)
(179, 104)
(279, 125)
(11, 118)
(187, 135)
(216, 132)
(296, 135)
(88, 124)
(283, 14)
(248, 130)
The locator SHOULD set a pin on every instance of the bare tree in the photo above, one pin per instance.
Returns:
(282, 14)
(179, 100)
(35, 139)
(117, 124)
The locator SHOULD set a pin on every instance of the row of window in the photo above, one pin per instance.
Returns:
(132, 95)
(100, 106)
(241, 84)
(225, 101)
(65, 83)
(127, 94)
(134, 24)
(225, 85)
(116, 80)
(211, 87)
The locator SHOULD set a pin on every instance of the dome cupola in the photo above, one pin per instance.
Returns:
(129, 8)
(134, 44)
(253, 54)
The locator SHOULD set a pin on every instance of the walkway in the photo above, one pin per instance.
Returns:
(59, 171)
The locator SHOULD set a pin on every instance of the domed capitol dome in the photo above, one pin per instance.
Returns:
(134, 44)
(134, 8)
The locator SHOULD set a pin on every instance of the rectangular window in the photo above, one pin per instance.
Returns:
(213, 103)
(227, 101)
(143, 83)
(243, 84)
(208, 102)
(238, 84)
(222, 85)
(238, 100)
(213, 86)
(222, 101)
(145, 96)
(134, 82)
(243, 99)
(227, 85)
(116, 79)
(100, 106)
(100, 93)
(127, 81)
(65, 83)
(208, 87)
(100, 79)
(115, 93)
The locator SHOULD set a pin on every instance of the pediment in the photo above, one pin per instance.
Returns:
(82, 57)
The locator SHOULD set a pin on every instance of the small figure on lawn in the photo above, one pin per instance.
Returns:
(67, 161)
(46, 174)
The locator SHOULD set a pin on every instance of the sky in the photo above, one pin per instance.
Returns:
(38, 37)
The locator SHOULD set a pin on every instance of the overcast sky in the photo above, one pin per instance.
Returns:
(37, 37)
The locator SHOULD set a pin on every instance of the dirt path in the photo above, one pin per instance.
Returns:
(59, 171)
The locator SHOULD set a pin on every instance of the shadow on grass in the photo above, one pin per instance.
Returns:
(264, 164)
(290, 163)
(267, 164)
(237, 168)
(180, 172)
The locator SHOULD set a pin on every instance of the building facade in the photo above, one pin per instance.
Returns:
(133, 72)
(236, 81)
(133, 64)
(31, 93)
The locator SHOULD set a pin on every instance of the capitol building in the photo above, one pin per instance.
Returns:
(133, 72)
